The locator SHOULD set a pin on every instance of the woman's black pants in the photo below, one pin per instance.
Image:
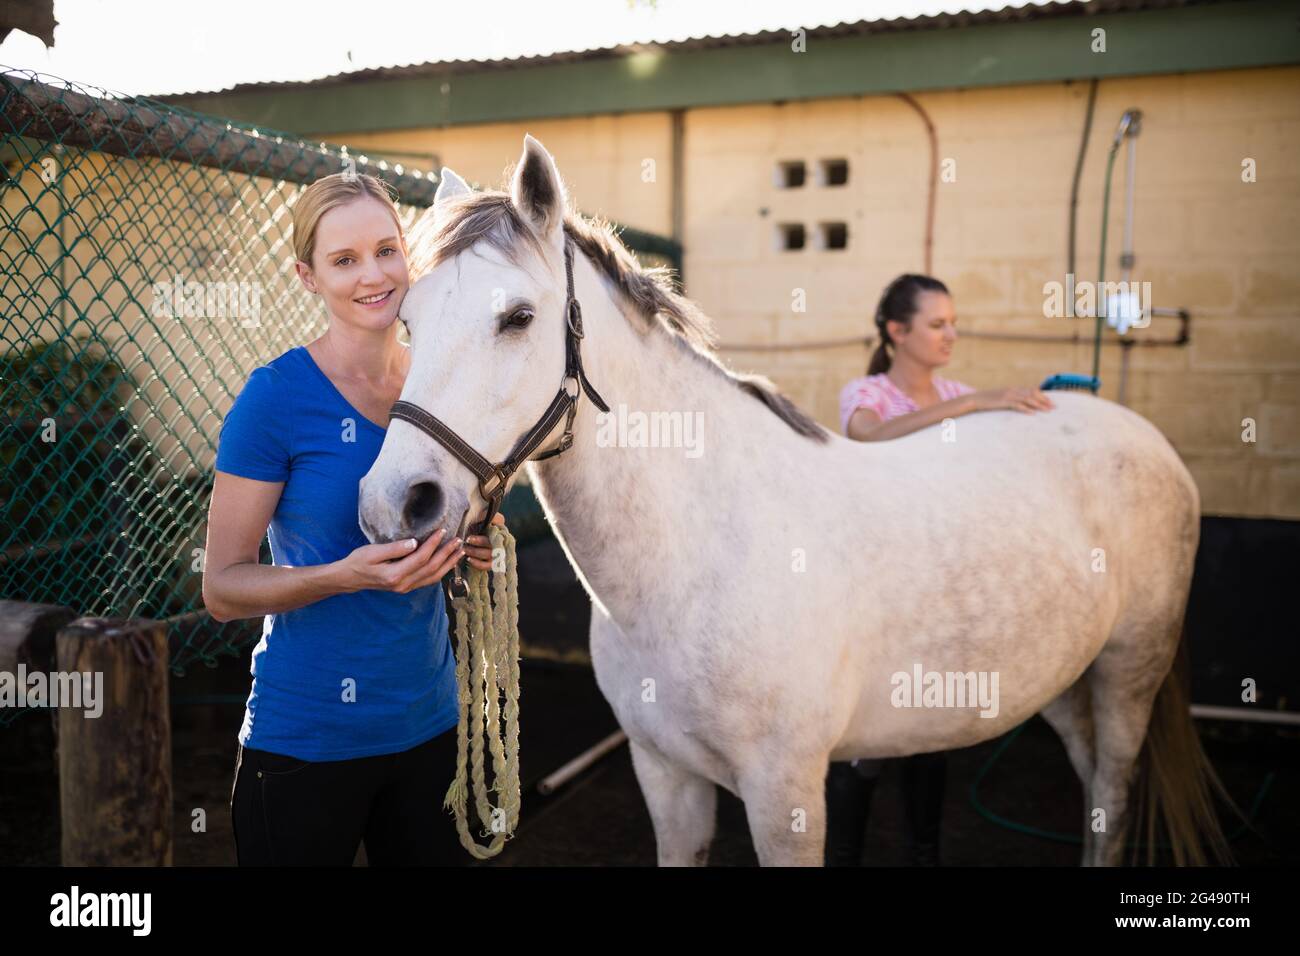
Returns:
(291, 812)
(849, 790)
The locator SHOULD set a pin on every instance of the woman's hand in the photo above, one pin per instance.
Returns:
(479, 549)
(396, 567)
(1028, 400)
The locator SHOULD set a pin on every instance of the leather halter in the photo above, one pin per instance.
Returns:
(494, 478)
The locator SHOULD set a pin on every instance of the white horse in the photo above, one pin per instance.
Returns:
(769, 599)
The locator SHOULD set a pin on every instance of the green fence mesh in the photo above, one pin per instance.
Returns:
(147, 269)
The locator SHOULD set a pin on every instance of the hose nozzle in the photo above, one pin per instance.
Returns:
(1130, 124)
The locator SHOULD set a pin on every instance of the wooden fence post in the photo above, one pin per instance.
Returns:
(115, 770)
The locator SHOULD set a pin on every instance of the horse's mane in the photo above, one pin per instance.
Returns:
(491, 217)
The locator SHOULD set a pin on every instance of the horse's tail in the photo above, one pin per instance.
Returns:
(1176, 784)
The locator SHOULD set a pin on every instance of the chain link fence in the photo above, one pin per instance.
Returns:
(147, 269)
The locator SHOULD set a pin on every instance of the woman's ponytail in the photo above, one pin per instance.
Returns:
(898, 304)
(880, 360)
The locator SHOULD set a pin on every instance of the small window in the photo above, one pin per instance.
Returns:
(832, 235)
(790, 236)
(833, 172)
(791, 174)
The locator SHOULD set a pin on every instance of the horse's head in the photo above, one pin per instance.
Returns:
(487, 328)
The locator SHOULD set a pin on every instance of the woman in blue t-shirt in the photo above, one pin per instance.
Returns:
(349, 730)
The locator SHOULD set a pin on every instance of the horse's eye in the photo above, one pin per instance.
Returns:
(518, 319)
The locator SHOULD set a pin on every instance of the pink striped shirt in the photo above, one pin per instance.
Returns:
(882, 396)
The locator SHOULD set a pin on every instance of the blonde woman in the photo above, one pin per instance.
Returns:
(901, 394)
(349, 729)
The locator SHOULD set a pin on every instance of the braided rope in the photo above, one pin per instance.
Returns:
(489, 637)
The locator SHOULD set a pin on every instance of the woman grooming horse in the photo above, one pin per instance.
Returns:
(901, 394)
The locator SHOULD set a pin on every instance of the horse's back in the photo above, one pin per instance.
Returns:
(1082, 445)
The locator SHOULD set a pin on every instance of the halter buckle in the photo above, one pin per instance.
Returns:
(575, 318)
(499, 476)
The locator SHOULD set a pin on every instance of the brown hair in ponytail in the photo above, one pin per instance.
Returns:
(898, 304)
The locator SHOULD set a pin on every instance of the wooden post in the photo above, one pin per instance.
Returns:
(115, 770)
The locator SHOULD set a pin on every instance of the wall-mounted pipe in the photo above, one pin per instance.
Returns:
(677, 210)
(1178, 341)
(928, 248)
(1126, 256)
(1073, 227)
(1129, 123)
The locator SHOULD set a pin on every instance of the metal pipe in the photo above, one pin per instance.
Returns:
(1182, 338)
(1072, 226)
(677, 210)
(1126, 256)
(1126, 123)
(1123, 372)
(559, 778)
(928, 248)
(1246, 715)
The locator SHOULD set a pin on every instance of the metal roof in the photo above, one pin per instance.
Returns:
(957, 20)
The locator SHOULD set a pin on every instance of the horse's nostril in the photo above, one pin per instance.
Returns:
(423, 503)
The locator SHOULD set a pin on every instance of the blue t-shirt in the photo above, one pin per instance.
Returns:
(352, 675)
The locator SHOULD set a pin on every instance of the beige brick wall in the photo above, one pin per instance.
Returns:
(601, 157)
(1223, 249)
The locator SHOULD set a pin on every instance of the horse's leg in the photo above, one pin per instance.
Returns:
(1124, 680)
(683, 807)
(785, 804)
(1070, 715)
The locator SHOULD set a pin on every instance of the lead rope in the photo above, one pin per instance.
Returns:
(488, 637)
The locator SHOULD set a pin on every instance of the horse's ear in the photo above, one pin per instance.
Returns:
(537, 191)
(450, 186)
